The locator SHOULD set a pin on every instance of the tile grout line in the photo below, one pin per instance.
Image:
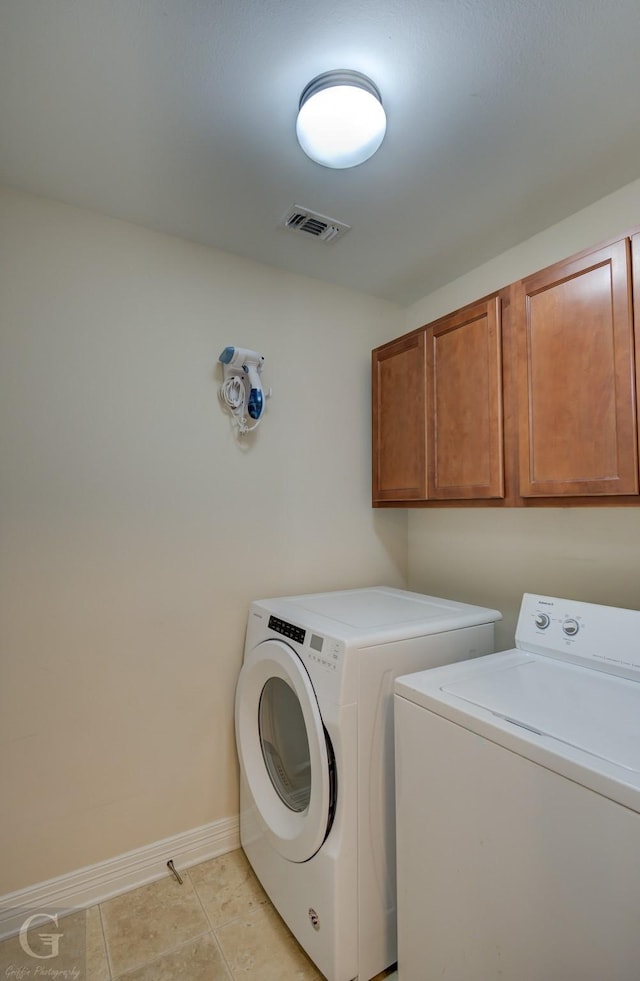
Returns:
(159, 957)
(290, 941)
(105, 943)
(155, 957)
(210, 930)
(213, 932)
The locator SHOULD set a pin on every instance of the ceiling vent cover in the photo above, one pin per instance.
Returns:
(325, 229)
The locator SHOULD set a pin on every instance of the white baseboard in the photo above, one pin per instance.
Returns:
(95, 883)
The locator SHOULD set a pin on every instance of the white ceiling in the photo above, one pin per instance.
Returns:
(503, 117)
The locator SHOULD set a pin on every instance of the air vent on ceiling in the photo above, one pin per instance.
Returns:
(325, 229)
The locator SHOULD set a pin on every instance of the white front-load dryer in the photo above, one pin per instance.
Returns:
(314, 732)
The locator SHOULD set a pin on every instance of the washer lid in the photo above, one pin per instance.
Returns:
(580, 722)
(593, 712)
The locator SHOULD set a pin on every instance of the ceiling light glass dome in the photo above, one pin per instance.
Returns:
(341, 122)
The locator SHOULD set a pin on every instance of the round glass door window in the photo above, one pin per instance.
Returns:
(284, 742)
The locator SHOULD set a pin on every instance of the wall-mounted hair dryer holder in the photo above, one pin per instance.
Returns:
(241, 391)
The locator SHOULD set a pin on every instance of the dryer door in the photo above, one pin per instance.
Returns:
(283, 750)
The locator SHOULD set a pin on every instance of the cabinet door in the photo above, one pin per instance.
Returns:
(464, 410)
(398, 390)
(635, 259)
(576, 403)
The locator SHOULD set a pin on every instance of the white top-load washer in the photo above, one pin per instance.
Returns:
(518, 804)
(314, 731)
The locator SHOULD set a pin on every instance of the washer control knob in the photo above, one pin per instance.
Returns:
(542, 621)
(571, 627)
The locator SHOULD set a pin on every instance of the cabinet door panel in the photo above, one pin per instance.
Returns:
(577, 427)
(399, 425)
(635, 260)
(465, 405)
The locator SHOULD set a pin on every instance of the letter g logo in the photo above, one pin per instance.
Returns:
(50, 940)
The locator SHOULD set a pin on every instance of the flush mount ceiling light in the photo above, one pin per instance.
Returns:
(341, 122)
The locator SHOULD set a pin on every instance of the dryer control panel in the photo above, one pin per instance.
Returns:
(603, 637)
(287, 629)
(315, 648)
(332, 672)
(324, 651)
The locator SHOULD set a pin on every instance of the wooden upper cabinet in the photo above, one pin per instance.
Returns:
(399, 425)
(464, 405)
(577, 425)
(526, 398)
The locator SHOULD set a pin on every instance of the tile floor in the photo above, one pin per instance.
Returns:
(218, 926)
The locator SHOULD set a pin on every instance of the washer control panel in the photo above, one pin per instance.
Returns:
(605, 637)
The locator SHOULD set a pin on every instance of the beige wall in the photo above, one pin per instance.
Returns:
(135, 530)
(493, 557)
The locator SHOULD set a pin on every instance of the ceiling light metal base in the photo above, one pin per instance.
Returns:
(329, 79)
